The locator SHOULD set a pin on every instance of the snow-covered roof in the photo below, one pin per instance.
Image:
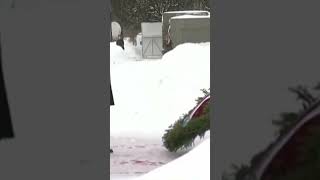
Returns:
(189, 11)
(150, 29)
(188, 16)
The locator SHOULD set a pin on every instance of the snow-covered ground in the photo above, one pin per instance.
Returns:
(136, 156)
(149, 96)
(185, 167)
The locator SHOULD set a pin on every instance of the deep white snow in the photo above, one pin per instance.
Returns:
(191, 166)
(149, 96)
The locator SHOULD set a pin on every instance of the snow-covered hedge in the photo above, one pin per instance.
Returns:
(183, 132)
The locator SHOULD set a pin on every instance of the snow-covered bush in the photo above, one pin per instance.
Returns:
(182, 134)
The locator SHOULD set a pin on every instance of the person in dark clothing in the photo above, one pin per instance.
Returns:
(111, 104)
(111, 97)
(120, 43)
(6, 129)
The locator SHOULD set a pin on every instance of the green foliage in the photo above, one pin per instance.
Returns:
(309, 169)
(179, 136)
(304, 95)
(182, 135)
(286, 122)
(130, 13)
(206, 93)
(289, 119)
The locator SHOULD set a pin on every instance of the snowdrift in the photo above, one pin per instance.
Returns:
(150, 95)
(194, 165)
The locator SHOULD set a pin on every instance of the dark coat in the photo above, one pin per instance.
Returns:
(6, 129)
(120, 43)
(111, 97)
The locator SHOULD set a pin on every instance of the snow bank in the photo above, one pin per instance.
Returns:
(151, 95)
(191, 17)
(120, 56)
(194, 165)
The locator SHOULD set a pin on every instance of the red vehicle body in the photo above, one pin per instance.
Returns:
(286, 154)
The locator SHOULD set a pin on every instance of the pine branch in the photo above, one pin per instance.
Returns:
(183, 132)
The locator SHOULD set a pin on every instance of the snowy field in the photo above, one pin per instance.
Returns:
(149, 96)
